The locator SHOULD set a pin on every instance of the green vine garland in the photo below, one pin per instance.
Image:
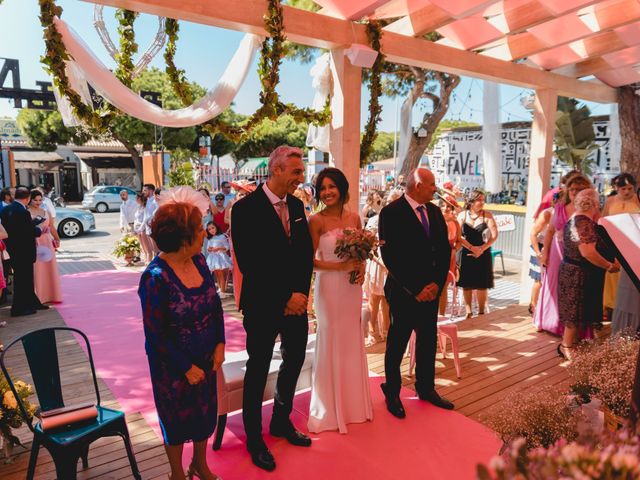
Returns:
(268, 70)
(128, 46)
(374, 34)
(56, 55)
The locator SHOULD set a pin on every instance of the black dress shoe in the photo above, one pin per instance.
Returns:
(22, 313)
(436, 399)
(293, 436)
(261, 457)
(394, 405)
(42, 306)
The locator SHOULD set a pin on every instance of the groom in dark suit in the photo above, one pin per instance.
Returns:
(274, 251)
(416, 252)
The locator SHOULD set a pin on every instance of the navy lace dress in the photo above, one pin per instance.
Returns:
(182, 327)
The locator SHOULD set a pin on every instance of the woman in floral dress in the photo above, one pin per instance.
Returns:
(184, 330)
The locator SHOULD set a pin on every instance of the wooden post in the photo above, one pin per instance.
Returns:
(153, 168)
(345, 121)
(540, 154)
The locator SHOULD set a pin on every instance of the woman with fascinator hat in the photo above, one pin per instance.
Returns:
(184, 330)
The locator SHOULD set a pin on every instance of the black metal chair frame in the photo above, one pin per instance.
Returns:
(65, 456)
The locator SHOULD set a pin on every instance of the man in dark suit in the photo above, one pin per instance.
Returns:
(416, 252)
(274, 251)
(21, 245)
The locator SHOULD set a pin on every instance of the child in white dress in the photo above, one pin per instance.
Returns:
(218, 259)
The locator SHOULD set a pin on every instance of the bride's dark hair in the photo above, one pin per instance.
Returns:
(338, 178)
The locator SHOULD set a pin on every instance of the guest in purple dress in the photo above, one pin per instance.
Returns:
(546, 316)
(184, 331)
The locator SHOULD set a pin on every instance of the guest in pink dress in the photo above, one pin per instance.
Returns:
(546, 316)
(46, 275)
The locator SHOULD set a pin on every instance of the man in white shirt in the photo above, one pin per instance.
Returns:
(128, 209)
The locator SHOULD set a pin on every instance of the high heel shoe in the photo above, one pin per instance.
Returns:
(192, 473)
(562, 354)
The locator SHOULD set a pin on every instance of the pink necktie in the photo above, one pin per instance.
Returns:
(282, 211)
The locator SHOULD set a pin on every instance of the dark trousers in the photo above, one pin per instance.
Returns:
(24, 297)
(407, 316)
(262, 331)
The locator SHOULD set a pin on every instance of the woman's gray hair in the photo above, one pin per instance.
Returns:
(280, 154)
(586, 200)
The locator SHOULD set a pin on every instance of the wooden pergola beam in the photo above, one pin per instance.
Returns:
(430, 18)
(312, 29)
(520, 18)
(608, 17)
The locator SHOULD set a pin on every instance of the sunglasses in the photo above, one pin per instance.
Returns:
(219, 198)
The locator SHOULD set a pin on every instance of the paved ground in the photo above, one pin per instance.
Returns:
(91, 251)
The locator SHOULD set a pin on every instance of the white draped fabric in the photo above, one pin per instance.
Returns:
(491, 143)
(405, 131)
(79, 84)
(318, 136)
(129, 102)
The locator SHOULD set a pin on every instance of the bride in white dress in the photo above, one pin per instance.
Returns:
(340, 391)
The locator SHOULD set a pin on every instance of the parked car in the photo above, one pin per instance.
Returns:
(103, 198)
(71, 223)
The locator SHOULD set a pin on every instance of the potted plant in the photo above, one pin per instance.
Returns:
(10, 415)
(128, 247)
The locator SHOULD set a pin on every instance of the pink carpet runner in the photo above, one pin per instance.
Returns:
(429, 444)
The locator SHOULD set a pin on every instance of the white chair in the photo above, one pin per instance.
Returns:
(230, 382)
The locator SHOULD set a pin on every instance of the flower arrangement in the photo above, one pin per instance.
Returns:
(606, 457)
(541, 417)
(128, 247)
(356, 244)
(605, 369)
(10, 415)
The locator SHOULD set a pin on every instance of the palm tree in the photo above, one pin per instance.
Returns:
(574, 138)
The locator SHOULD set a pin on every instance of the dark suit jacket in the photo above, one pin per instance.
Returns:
(272, 266)
(21, 241)
(413, 259)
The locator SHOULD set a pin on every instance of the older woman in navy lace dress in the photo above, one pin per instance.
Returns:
(184, 331)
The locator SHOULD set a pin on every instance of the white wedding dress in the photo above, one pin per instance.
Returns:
(340, 390)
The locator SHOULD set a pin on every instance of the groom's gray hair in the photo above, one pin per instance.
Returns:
(280, 154)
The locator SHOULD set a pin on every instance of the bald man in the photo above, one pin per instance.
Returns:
(416, 252)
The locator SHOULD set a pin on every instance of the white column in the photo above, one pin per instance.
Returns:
(542, 132)
(345, 121)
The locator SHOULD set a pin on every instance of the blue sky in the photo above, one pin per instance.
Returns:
(204, 52)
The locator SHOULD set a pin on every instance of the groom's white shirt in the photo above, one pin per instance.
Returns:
(274, 199)
(414, 205)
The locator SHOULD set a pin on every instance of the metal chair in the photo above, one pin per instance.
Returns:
(68, 444)
(494, 254)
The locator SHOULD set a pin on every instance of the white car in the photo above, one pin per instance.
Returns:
(71, 223)
(103, 198)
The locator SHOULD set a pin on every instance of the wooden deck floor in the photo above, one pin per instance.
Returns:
(499, 351)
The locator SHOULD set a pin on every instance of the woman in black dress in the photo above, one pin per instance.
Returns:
(479, 232)
(581, 276)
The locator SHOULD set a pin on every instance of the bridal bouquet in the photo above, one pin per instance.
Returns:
(356, 244)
